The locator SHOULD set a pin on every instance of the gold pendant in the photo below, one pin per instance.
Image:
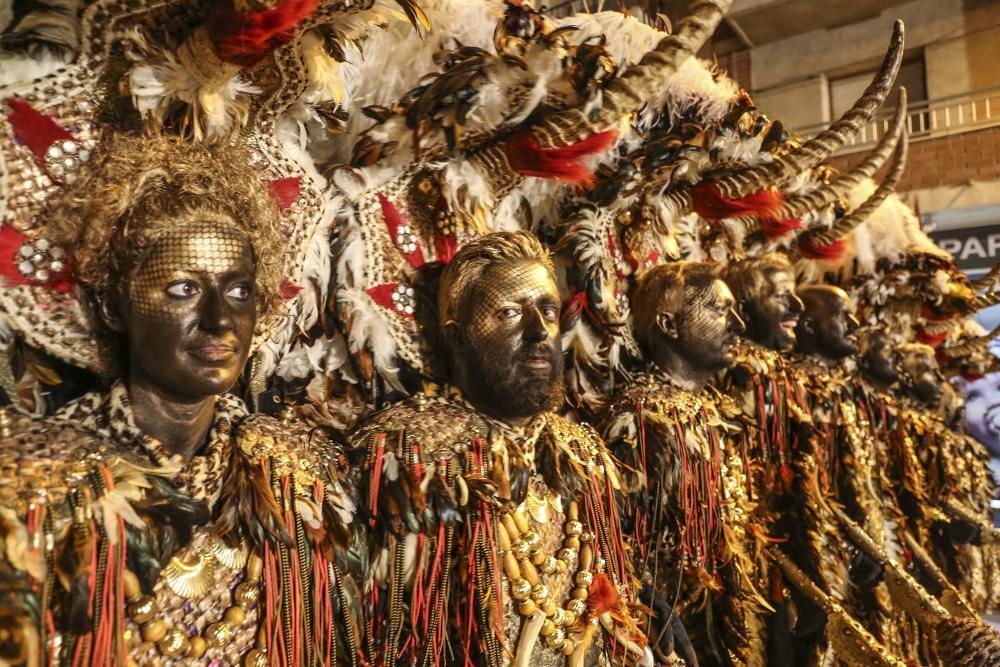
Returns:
(234, 558)
(191, 576)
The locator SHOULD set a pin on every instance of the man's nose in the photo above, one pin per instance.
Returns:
(795, 305)
(215, 311)
(736, 323)
(535, 329)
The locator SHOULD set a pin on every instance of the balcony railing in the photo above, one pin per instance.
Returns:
(929, 119)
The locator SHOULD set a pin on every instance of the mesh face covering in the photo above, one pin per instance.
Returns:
(513, 361)
(705, 311)
(508, 293)
(210, 245)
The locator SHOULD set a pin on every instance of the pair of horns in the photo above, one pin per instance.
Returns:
(799, 205)
(629, 92)
(745, 182)
(849, 222)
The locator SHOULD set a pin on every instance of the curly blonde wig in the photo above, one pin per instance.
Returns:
(138, 188)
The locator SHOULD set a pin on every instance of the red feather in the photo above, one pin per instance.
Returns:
(931, 339)
(445, 246)
(290, 290)
(561, 163)
(602, 596)
(34, 129)
(812, 250)
(710, 204)
(394, 219)
(285, 191)
(776, 229)
(243, 38)
(928, 313)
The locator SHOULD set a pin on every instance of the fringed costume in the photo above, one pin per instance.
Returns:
(491, 545)
(686, 513)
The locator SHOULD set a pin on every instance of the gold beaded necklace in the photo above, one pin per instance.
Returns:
(522, 560)
(191, 576)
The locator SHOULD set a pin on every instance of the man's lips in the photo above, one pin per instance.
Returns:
(214, 352)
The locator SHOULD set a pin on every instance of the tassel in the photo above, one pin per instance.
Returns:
(709, 203)
(602, 596)
(774, 229)
(285, 191)
(564, 163)
(812, 250)
(244, 38)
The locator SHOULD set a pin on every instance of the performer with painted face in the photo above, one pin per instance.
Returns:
(494, 535)
(156, 522)
(952, 514)
(685, 514)
(775, 411)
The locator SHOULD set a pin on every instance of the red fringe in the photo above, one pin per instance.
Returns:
(394, 219)
(812, 250)
(34, 129)
(928, 313)
(773, 228)
(244, 38)
(709, 203)
(561, 163)
(285, 191)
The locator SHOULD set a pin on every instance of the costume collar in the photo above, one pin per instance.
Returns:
(200, 478)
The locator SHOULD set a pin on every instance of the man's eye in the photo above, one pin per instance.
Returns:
(183, 289)
(509, 313)
(550, 312)
(241, 292)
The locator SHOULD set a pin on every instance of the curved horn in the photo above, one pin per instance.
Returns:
(988, 280)
(821, 197)
(745, 182)
(987, 300)
(846, 225)
(630, 91)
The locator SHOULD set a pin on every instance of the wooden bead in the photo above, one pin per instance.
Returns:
(527, 607)
(235, 616)
(130, 585)
(154, 631)
(255, 566)
(197, 647)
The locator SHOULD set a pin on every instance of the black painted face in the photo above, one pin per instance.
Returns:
(707, 327)
(507, 348)
(773, 313)
(829, 319)
(879, 357)
(923, 378)
(189, 313)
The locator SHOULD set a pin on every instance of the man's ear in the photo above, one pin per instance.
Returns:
(454, 336)
(667, 323)
(110, 313)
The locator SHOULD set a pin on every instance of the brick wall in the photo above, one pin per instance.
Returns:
(737, 65)
(946, 161)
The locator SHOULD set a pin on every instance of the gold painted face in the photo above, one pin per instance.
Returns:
(512, 295)
(189, 314)
(511, 357)
(209, 247)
